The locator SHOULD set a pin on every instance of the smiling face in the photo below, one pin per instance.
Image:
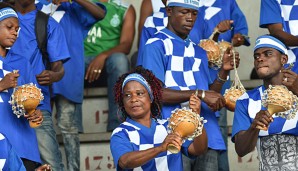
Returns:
(8, 31)
(181, 20)
(136, 100)
(268, 62)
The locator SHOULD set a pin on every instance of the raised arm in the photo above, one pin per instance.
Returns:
(92, 8)
(145, 11)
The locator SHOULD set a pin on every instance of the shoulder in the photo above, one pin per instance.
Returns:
(254, 94)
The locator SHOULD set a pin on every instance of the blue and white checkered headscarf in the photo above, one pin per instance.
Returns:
(7, 13)
(193, 4)
(270, 42)
(139, 78)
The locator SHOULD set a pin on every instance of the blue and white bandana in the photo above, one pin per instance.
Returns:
(193, 4)
(7, 13)
(270, 42)
(139, 78)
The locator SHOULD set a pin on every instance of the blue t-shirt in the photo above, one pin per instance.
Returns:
(182, 65)
(9, 160)
(285, 13)
(215, 12)
(133, 136)
(76, 22)
(248, 105)
(26, 46)
(17, 130)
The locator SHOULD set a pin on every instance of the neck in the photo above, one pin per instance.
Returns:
(276, 80)
(144, 121)
(24, 9)
(2, 51)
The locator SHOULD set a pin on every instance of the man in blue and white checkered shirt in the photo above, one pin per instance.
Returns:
(182, 68)
(277, 146)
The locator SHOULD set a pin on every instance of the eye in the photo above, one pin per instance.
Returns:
(268, 53)
(256, 56)
(140, 93)
(127, 95)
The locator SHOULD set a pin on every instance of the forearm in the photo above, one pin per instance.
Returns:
(58, 71)
(177, 96)
(199, 145)
(121, 48)
(289, 39)
(221, 77)
(245, 141)
(138, 158)
(92, 8)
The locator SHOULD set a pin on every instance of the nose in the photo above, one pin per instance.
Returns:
(133, 98)
(189, 17)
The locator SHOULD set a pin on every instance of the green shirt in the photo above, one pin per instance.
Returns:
(106, 33)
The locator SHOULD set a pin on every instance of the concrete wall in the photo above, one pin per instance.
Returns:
(252, 11)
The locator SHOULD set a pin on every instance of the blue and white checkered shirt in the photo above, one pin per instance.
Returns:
(133, 136)
(248, 105)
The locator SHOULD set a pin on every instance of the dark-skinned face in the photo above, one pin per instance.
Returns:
(8, 31)
(268, 62)
(136, 100)
(181, 20)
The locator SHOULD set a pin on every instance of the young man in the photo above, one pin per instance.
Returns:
(75, 18)
(26, 46)
(182, 68)
(277, 147)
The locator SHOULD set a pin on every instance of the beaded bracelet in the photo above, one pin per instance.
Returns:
(220, 79)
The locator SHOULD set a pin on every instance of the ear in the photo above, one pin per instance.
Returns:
(284, 59)
(169, 11)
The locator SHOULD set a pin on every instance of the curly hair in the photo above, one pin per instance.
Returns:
(155, 87)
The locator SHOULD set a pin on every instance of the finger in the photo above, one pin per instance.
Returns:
(88, 73)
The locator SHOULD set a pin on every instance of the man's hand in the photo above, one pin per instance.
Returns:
(228, 59)
(238, 40)
(214, 100)
(44, 167)
(35, 117)
(224, 26)
(10, 80)
(290, 80)
(262, 120)
(95, 68)
(45, 77)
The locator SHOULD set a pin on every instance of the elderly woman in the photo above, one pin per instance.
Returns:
(142, 140)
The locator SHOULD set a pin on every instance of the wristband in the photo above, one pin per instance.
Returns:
(220, 79)
(203, 94)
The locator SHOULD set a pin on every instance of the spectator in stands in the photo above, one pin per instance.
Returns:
(106, 47)
(277, 146)
(215, 12)
(76, 18)
(148, 7)
(141, 141)
(280, 18)
(182, 67)
(26, 46)
(17, 130)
